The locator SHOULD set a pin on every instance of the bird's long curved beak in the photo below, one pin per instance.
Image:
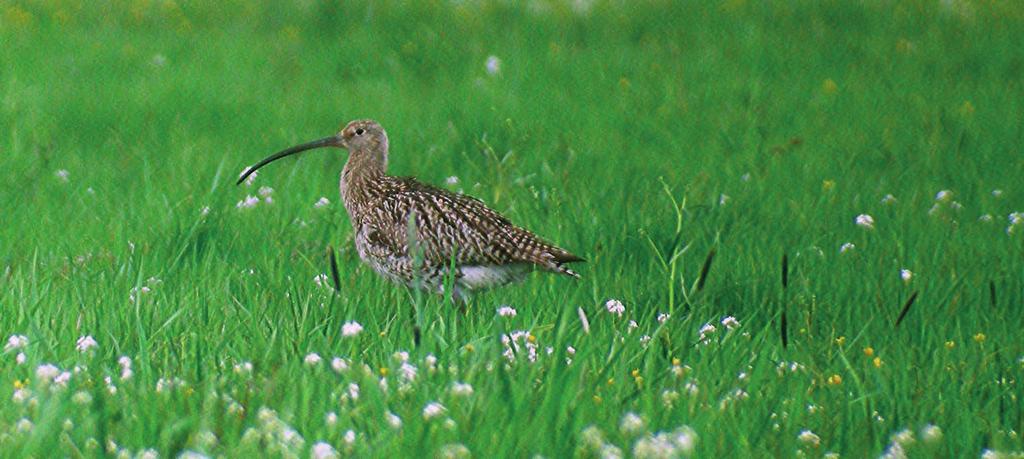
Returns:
(332, 141)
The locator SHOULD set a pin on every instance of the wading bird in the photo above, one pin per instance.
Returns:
(419, 235)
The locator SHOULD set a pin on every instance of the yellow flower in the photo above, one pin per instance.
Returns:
(980, 337)
(877, 362)
(829, 87)
(531, 338)
(470, 348)
(828, 185)
(18, 384)
(383, 371)
(676, 361)
(597, 399)
(611, 381)
(635, 372)
(869, 351)
(840, 341)
(950, 345)
(835, 380)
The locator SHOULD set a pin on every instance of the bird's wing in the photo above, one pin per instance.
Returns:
(451, 225)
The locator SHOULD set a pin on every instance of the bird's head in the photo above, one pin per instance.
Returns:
(365, 139)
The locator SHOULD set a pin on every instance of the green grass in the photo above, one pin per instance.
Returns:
(613, 132)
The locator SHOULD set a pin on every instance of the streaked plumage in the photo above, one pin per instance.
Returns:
(448, 229)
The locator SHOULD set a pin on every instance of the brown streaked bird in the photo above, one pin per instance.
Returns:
(449, 231)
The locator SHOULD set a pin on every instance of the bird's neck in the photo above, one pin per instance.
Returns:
(362, 170)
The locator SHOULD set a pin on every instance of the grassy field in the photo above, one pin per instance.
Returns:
(875, 145)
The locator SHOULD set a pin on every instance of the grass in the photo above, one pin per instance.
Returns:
(641, 137)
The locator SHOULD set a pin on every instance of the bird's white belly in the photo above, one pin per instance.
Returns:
(477, 277)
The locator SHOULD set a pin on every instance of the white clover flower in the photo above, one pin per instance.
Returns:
(723, 199)
(986, 218)
(943, 195)
(452, 180)
(21, 395)
(1016, 218)
(615, 307)
(249, 202)
(997, 193)
(645, 340)
(393, 420)
(610, 451)
(353, 391)
(321, 280)
(23, 426)
(147, 454)
(846, 247)
(321, 203)
(507, 311)
(745, 177)
(906, 275)
(85, 344)
(706, 331)
(331, 418)
(904, 437)
(323, 450)
(351, 328)
(931, 434)
(865, 221)
(433, 410)
(265, 191)
(313, 359)
(460, 389)
(570, 350)
(350, 436)
(62, 379)
(583, 320)
(204, 211)
(63, 175)
(889, 199)
(243, 368)
(407, 372)
(20, 358)
(632, 424)
(730, 322)
(81, 398)
(454, 451)
(339, 364)
(632, 325)
(16, 342)
(493, 65)
(46, 372)
(809, 438)
(663, 317)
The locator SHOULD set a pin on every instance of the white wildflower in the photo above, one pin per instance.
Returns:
(904, 437)
(889, 199)
(730, 322)
(16, 342)
(81, 398)
(723, 199)
(943, 195)
(453, 451)
(321, 280)
(63, 175)
(986, 218)
(331, 418)
(321, 203)
(393, 420)
(323, 450)
(353, 391)
(339, 364)
(931, 434)
(632, 325)
(407, 372)
(615, 307)
(243, 368)
(313, 359)
(632, 424)
(493, 65)
(204, 211)
(460, 389)
(865, 221)
(351, 329)
(645, 340)
(20, 358)
(809, 438)
(997, 193)
(23, 426)
(452, 180)
(350, 436)
(249, 202)
(663, 317)
(46, 372)
(433, 410)
(265, 191)
(906, 275)
(506, 311)
(846, 247)
(85, 344)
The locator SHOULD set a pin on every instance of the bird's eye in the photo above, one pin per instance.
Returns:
(360, 131)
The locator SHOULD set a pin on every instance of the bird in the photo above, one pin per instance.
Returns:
(419, 235)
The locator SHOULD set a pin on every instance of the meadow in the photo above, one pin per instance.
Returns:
(149, 307)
